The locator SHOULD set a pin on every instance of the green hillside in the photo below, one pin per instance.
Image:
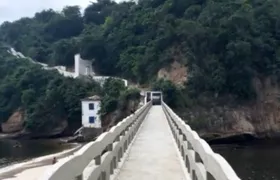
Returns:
(47, 100)
(224, 44)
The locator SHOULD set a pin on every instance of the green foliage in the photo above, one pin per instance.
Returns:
(172, 95)
(46, 97)
(224, 44)
(112, 90)
(113, 87)
(117, 97)
(131, 95)
(45, 36)
(64, 51)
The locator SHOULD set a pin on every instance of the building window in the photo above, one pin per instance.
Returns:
(91, 106)
(91, 120)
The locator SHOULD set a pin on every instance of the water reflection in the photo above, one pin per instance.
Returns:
(12, 151)
(259, 161)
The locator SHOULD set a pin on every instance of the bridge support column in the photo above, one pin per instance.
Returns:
(97, 160)
(120, 154)
(210, 176)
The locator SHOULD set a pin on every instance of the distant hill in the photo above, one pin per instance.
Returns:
(227, 52)
(39, 102)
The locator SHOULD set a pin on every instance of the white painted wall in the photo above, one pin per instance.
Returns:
(101, 79)
(86, 113)
(83, 67)
(61, 70)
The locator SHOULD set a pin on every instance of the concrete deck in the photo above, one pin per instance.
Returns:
(153, 154)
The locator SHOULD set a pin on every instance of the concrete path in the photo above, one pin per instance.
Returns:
(153, 154)
(32, 169)
(30, 174)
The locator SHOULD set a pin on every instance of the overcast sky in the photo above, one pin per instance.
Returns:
(14, 9)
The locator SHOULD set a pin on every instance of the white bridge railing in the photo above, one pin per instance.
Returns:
(200, 160)
(98, 159)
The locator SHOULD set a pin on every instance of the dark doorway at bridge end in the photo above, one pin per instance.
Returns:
(154, 96)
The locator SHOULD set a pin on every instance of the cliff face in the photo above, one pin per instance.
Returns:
(222, 116)
(260, 117)
(14, 123)
(176, 72)
(14, 126)
(263, 114)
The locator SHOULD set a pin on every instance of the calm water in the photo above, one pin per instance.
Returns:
(259, 161)
(9, 154)
(253, 162)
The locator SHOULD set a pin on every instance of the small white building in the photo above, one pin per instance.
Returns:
(83, 67)
(90, 112)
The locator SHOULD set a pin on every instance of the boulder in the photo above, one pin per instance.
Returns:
(15, 123)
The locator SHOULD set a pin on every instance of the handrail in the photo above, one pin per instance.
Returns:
(98, 159)
(200, 160)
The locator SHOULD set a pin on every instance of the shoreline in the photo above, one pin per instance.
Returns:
(12, 170)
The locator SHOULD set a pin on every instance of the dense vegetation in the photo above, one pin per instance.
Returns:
(224, 44)
(47, 98)
(115, 96)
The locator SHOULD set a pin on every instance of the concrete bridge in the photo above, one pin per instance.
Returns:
(152, 144)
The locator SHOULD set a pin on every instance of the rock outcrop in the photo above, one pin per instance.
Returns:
(219, 120)
(14, 128)
(176, 72)
(15, 123)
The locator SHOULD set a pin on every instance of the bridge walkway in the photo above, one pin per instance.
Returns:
(153, 155)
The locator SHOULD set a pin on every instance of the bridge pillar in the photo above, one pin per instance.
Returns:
(97, 160)
(120, 154)
(210, 177)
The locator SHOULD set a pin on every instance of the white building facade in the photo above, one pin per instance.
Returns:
(90, 112)
(83, 67)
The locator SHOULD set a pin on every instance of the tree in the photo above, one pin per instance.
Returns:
(224, 44)
(64, 51)
(45, 15)
(28, 97)
(72, 12)
(112, 91)
(63, 27)
(46, 97)
(113, 87)
(97, 12)
(169, 90)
